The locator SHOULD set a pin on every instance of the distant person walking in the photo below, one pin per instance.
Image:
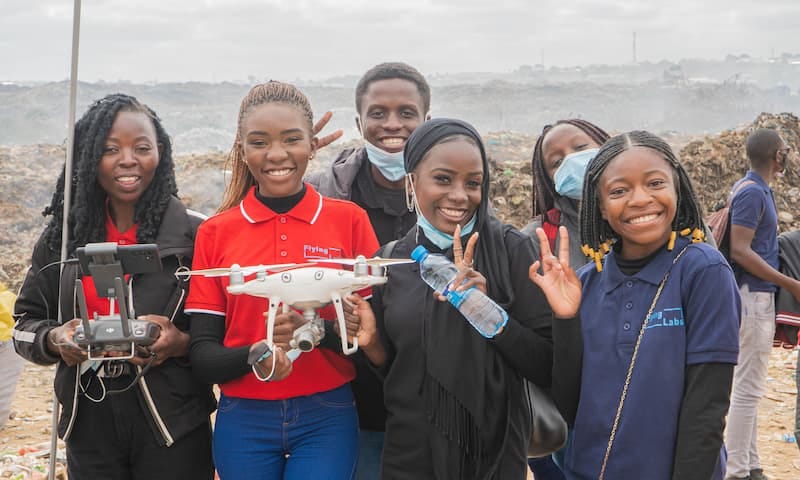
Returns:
(754, 251)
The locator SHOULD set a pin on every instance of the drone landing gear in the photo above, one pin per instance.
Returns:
(337, 304)
(308, 336)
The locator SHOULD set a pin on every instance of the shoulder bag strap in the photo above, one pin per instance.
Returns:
(633, 362)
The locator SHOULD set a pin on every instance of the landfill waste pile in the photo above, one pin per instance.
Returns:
(716, 162)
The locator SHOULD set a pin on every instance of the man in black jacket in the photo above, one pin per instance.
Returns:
(392, 99)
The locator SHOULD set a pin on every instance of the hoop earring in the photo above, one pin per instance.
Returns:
(411, 195)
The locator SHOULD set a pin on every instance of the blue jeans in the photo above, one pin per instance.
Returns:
(314, 436)
(369, 455)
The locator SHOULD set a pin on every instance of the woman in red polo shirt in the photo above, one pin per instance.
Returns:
(304, 426)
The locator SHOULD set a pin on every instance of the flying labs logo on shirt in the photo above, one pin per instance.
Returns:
(316, 252)
(669, 317)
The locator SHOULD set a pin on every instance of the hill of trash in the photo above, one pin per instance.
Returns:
(715, 162)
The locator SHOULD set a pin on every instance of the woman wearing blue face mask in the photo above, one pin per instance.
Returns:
(454, 398)
(559, 161)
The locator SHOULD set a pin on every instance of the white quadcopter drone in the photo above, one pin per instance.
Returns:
(307, 287)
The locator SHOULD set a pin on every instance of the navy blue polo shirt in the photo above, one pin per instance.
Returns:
(753, 207)
(696, 320)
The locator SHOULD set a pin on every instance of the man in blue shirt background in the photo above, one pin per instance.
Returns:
(754, 251)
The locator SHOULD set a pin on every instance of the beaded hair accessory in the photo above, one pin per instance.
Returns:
(597, 254)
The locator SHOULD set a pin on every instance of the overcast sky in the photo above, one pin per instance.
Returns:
(216, 40)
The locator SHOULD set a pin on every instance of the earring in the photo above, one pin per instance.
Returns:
(410, 194)
(311, 157)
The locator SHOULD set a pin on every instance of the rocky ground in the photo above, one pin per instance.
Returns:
(28, 173)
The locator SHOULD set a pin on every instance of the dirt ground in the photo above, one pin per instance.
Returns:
(28, 432)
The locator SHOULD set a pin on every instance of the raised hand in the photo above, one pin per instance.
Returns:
(558, 280)
(327, 139)
(463, 258)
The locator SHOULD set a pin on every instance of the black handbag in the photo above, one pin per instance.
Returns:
(548, 428)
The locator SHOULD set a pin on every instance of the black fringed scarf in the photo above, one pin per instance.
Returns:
(466, 386)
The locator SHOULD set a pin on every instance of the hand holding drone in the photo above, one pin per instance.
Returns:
(306, 287)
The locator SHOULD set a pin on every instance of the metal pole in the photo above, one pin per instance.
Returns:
(73, 87)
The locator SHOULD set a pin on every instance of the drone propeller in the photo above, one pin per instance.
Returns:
(221, 272)
(373, 262)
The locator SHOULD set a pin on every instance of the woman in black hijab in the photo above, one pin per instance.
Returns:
(454, 397)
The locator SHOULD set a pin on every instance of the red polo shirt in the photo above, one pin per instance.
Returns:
(253, 234)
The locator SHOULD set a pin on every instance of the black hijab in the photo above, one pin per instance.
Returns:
(466, 386)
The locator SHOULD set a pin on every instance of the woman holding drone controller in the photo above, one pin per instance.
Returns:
(147, 418)
(276, 420)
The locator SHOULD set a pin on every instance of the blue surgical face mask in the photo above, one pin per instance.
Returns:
(439, 238)
(390, 165)
(568, 178)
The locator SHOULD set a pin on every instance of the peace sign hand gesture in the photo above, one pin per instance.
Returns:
(327, 139)
(463, 258)
(558, 280)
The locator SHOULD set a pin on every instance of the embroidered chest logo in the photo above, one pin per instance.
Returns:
(669, 317)
(313, 252)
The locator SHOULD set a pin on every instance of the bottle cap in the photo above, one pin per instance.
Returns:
(419, 253)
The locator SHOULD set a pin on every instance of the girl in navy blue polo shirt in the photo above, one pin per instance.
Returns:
(654, 378)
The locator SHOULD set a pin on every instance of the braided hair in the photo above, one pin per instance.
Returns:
(544, 192)
(271, 92)
(87, 215)
(596, 234)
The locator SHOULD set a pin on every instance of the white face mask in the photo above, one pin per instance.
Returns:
(391, 165)
(439, 238)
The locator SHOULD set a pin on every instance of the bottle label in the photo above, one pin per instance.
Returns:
(454, 297)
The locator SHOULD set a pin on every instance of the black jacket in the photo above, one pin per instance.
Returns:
(349, 178)
(177, 402)
(787, 308)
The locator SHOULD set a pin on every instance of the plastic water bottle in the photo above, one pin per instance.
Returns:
(482, 313)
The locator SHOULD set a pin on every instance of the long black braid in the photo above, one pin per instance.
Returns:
(544, 192)
(596, 233)
(87, 213)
